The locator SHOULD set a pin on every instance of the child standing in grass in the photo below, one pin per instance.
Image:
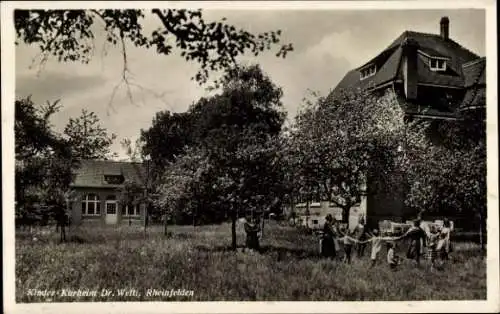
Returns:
(348, 243)
(376, 246)
(432, 247)
(392, 258)
(360, 235)
(443, 242)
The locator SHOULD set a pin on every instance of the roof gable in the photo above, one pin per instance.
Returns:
(385, 73)
(435, 43)
(451, 77)
(475, 72)
(92, 173)
(475, 82)
(429, 44)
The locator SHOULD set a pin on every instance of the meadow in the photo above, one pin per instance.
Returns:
(199, 259)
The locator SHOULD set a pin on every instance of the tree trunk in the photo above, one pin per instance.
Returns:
(262, 229)
(481, 241)
(292, 210)
(233, 231)
(308, 206)
(63, 233)
(145, 218)
(345, 214)
(61, 224)
(165, 223)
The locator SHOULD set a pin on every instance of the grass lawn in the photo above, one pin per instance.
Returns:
(198, 259)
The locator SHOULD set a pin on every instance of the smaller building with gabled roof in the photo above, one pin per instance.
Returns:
(98, 192)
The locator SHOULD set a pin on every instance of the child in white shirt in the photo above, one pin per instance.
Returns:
(376, 246)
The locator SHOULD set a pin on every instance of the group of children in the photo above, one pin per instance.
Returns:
(435, 242)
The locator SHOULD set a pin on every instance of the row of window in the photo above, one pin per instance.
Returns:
(91, 206)
(367, 72)
(434, 64)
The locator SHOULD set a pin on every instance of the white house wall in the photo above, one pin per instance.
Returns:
(318, 212)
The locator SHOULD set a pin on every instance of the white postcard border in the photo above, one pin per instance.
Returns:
(492, 304)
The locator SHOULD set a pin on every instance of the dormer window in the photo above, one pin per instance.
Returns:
(368, 71)
(114, 179)
(437, 64)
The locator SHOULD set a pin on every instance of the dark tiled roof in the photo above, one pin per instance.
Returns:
(474, 97)
(475, 82)
(475, 72)
(449, 78)
(433, 45)
(90, 173)
(385, 73)
(433, 53)
(448, 47)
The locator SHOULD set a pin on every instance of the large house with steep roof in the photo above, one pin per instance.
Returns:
(97, 192)
(433, 77)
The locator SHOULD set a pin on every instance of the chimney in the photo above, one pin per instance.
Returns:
(409, 64)
(445, 27)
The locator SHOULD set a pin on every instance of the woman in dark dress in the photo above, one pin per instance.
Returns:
(328, 243)
(417, 238)
(252, 228)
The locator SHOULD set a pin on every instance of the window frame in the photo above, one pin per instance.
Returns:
(111, 199)
(368, 72)
(95, 200)
(437, 67)
(135, 209)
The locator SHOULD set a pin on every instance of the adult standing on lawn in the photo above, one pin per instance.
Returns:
(417, 241)
(328, 248)
(252, 229)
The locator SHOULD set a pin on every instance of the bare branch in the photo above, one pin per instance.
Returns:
(126, 79)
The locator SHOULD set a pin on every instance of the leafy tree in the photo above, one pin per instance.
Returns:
(167, 138)
(344, 142)
(447, 172)
(133, 151)
(32, 129)
(238, 128)
(68, 35)
(178, 184)
(234, 133)
(131, 194)
(43, 165)
(87, 138)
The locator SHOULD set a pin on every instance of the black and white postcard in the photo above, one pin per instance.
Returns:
(160, 156)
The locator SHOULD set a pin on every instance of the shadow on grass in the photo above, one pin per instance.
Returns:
(280, 252)
(217, 248)
(283, 252)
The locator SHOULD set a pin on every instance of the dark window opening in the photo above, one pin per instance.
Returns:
(114, 179)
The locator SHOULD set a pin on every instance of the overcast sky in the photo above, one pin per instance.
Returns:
(327, 44)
